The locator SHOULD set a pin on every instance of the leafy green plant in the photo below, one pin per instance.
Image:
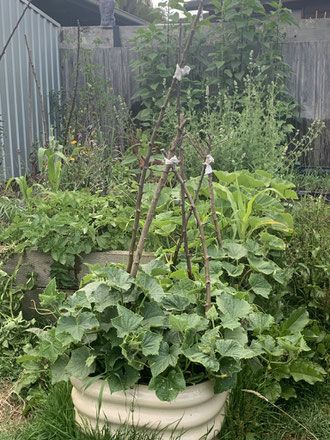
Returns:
(70, 224)
(248, 206)
(157, 47)
(50, 159)
(244, 223)
(14, 336)
(25, 189)
(244, 28)
(152, 330)
(8, 209)
(156, 60)
(251, 128)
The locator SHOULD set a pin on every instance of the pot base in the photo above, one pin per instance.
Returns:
(197, 411)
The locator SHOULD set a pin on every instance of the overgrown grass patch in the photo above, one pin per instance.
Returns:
(251, 418)
(53, 419)
(248, 418)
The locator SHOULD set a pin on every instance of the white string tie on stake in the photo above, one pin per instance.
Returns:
(208, 160)
(181, 72)
(173, 161)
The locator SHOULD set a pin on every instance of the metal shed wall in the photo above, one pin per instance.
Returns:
(20, 108)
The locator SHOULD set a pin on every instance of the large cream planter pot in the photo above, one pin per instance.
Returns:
(195, 411)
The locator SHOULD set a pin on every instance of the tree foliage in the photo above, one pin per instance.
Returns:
(140, 8)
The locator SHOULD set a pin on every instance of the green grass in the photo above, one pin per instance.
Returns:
(251, 418)
(53, 419)
(248, 418)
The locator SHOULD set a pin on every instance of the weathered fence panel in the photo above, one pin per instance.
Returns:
(112, 63)
(20, 107)
(307, 51)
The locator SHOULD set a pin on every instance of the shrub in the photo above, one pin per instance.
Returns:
(250, 129)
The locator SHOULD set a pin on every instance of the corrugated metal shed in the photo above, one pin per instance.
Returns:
(20, 107)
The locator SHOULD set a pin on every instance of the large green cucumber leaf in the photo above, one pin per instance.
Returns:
(168, 356)
(168, 386)
(77, 326)
(196, 355)
(232, 309)
(185, 321)
(260, 285)
(119, 278)
(78, 365)
(308, 371)
(151, 343)
(296, 322)
(150, 286)
(231, 348)
(127, 321)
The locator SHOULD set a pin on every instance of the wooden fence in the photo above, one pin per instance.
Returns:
(306, 50)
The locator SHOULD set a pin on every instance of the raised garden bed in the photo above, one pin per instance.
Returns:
(40, 265)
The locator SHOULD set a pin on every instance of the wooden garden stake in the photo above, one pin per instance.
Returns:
(203, 241)
(75, 89)
(214, 213)
(153, 138)
(14, 30)
(206, 157)
(183, 197)
(179, 242)
(161, 183)
(212, 200)
(41, 100)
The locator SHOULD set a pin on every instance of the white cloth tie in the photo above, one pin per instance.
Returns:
(181, 72)
(208, 160)
(173, 161)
